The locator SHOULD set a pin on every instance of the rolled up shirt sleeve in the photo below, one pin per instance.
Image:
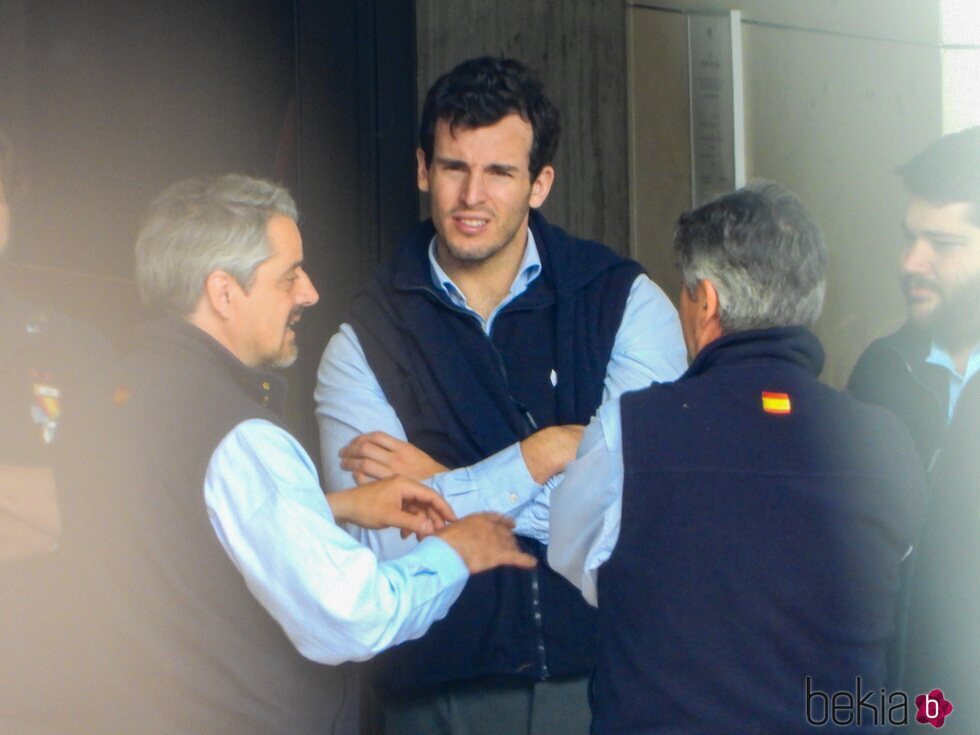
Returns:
(499, 483)
(649, 348)
(332, 596)
(350, 402)
(586, 506)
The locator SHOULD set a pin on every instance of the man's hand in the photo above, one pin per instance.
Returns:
(376, 455)
(485, 541)
(395, 501)
(546, 452)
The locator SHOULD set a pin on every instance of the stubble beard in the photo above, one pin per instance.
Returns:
(469, 256)
(955, 323)
(286, 357)
(288, 349)
(955, 320)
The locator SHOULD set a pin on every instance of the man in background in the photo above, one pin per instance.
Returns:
(483, 346)
(742, 528)
(926, 372)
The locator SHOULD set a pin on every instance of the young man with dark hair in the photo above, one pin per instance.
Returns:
(742, 528)
(482, 347)
(926, 372)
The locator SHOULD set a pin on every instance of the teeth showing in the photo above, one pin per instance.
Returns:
(472, 222)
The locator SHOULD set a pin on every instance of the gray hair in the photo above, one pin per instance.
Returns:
(762, 251)
(201, 225)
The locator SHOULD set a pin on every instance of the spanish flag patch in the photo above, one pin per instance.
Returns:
(776, 402)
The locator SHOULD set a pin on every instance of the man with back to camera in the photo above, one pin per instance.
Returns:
(224, 579)
(745, 559)
(483, 346)
(926, 372)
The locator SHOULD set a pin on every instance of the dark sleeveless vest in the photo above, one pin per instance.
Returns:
(184, 645)
(756, 549)
(461, 396)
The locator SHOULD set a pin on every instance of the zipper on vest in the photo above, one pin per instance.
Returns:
(531, 426)
(443, 300)
(538, 624)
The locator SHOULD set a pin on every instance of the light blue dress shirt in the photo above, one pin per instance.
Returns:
(957, 381)
(587, 506)
(332, 596)
(648, 347)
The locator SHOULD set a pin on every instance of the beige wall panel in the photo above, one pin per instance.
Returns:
(831, 117)
(660, 144)
(916, 21)
(579, 48)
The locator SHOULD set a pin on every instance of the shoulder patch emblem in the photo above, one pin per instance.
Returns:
(776, 402)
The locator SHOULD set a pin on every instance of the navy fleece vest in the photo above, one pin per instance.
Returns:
(462, 396)
(756, 548)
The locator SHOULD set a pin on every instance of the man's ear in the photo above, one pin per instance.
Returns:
(422, 172)
(219, 290)
(707, 298)
(708, 316)
(541, 186)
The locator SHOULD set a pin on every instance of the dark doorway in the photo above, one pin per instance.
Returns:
(107, 102)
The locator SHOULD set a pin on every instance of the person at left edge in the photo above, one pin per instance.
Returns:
(224, 579)
(53, 369)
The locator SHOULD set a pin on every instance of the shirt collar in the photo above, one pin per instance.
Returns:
(530, 269)
(939, 356)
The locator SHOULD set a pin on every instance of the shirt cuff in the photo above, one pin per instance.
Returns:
(435, 556)
(501, 483)
(534, 520)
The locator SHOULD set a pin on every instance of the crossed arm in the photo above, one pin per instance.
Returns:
(376, 455)
(362, 438)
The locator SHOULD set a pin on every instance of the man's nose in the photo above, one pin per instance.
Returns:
(473, 191)
(306, 294)
(918, 256)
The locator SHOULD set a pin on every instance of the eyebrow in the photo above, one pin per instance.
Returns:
(290, 269)
(935, 234)
(501, 167)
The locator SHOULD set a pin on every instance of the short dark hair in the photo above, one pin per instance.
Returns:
(762, 251)
(947, 171)
(482, 91)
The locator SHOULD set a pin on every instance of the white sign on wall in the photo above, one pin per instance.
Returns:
(714, 45)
